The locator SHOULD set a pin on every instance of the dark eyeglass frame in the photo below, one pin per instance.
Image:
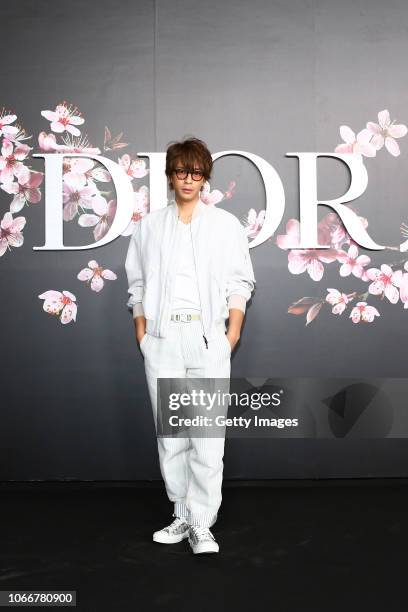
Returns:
(182, 173)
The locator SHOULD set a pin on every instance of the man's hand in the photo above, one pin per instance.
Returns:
(236, 318)
(140, 328)
(233, 338)
(140, 338)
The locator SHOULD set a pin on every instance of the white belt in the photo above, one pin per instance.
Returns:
(185, 317)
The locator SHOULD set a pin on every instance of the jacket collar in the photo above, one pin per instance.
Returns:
(198, 208)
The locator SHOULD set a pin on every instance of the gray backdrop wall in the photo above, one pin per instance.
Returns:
(267, 77)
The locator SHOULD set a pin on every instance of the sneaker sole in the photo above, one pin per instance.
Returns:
(166, 539)
(204, 548)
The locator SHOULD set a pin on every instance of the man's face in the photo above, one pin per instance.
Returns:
(186, 189)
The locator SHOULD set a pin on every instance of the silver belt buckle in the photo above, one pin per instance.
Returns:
(186, 316)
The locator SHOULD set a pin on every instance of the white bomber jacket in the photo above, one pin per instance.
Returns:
(223, 266)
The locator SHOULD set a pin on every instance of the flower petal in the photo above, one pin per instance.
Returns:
(347, 134)
(398, 130)
(384, 118)
(392, 146)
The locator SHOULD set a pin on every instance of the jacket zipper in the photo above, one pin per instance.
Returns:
(198, 286)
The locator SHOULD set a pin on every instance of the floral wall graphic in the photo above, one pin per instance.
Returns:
(88, 193)
(388, 281)
(88, 198)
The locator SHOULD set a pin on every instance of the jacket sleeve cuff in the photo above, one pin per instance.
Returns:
(133, 267)
(237, 301)
(138, 310)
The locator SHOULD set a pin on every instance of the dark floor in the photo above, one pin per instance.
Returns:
(292, 546)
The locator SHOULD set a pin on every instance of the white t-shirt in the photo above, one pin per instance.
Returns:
(185, 289)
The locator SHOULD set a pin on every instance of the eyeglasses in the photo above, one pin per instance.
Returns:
(182, 173)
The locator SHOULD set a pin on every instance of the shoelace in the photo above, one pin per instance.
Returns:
(202, 532)
(175, 524)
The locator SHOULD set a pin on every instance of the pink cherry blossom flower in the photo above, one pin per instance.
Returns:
(60, 304)
(254, 222)
(81, 166)
(76, 193)
(291, 239)
(363, 313)
(385, 282)
(11, 162)
(96, 274)
(10, 232)
(86, 169)
(140, 209)
(47, 142)
(210, 197)
(134, 168)
(364, 276)
(359, 144)
(338, 300)
(385, 132)
(64, 119)
(6, 129)
(102, 219)
(352, 262)
(310, 260)
(24, 191)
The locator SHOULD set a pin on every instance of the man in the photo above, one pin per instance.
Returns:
(189, 270)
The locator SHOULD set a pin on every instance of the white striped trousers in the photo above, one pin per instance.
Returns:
(191, 468)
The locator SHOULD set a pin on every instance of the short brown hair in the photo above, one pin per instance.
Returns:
(188, 152)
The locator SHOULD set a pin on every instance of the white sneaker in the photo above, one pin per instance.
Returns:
(177, 531)
(202, 540)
